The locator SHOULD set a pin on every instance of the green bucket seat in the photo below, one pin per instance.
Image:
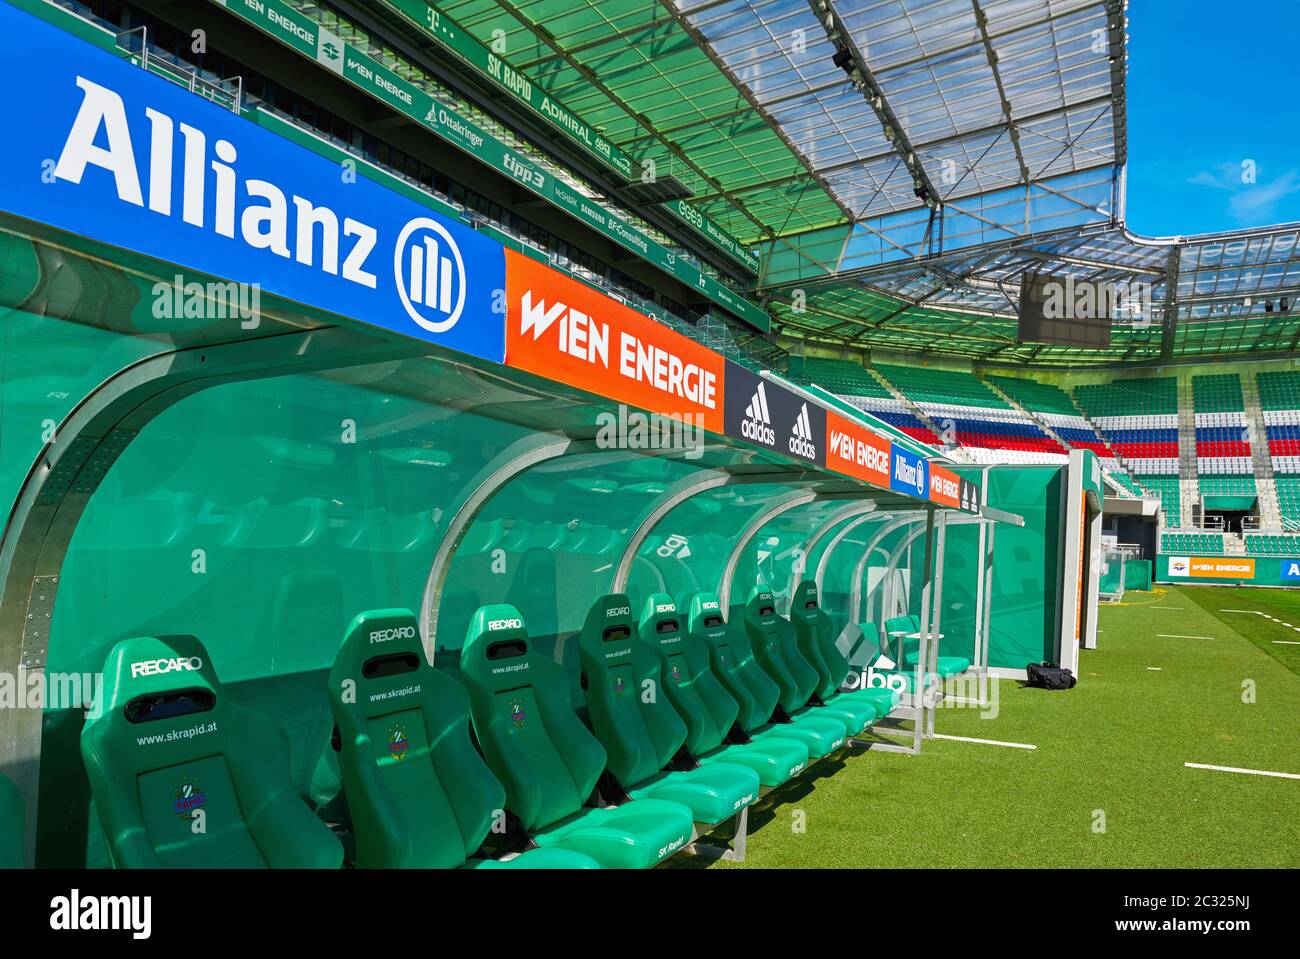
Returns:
(638, 726)
(812, 629)
(548, 761)
(946, 666)
(706, 708)
(419, 794)
(755, 692)
(777, 652)
(12, 819)
(181, 777)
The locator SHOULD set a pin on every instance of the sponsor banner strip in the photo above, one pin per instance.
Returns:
(855, 451)
(945, 486)
(301, 34)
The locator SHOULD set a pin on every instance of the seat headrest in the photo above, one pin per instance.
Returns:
(661, 624)
(760, 607)
(704, 615)
(161, 704)
(159, 672)
(804, 604)
(609, 618)
(497, 649)
(382, 653)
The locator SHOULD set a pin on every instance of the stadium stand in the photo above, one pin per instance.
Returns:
(1279, 402)
(1139, 418)
(858, 388)
(1211, 543)
(1223, 462)
(1271, 544)
(971, 415)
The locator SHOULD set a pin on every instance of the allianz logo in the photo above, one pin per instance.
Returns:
(156, 667)
(428, 268)
(909, 473)
(757, 424)
(618, 611)
(801, 439)
(513, 622)
(393, 632)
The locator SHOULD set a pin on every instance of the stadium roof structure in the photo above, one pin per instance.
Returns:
(902, 164)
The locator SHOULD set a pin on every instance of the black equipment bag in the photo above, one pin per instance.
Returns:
(1047, 676)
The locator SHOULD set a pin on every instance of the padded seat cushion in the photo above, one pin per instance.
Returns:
(712, 793)
(881, 699)
(856, 715)
(636, 835)
(775, 760)
(821, 736)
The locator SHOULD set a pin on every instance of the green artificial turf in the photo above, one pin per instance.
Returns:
(1115, 744)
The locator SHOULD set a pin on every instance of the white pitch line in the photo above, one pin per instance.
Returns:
(1254, 611)
(1250, 772)
(1179, 608)
(1285, 642)
(983, 742)
(1156, 669)
(1172, 636)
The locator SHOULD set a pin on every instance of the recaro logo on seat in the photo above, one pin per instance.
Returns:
(757, 424)
(514, 622)
(155, 667)
(618, 611)
(709, 604)
(666, 608)
(801, 439)
(393, 632)
(430, 274)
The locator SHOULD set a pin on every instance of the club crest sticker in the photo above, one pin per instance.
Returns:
(619, 686)
(398, 743)
(189, 798)
(517, 714)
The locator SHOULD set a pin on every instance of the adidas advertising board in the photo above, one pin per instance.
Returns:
(768, 415)
(118, 155)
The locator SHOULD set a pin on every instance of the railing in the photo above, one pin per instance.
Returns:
(226, 93)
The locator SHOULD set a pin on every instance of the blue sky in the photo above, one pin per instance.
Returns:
(1210, 86)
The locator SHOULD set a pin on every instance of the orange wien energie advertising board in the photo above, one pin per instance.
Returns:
(562, 329)
(856, 452)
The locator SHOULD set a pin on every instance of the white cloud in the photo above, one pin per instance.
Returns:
(1249, 204)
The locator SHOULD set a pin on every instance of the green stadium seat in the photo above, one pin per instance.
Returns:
(813, 632)
(418, 793)
(777, 651)
(756, 693)
(706, 708)
(642, 733)
(181, 777)
(548, 761)
(12, 828)
(897, 628)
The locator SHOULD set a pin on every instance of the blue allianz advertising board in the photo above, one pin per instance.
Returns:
(105, 150)
(1290, 570)
(909, 473)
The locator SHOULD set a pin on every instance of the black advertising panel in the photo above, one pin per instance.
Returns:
(761, 412)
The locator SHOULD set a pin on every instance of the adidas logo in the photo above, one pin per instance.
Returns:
(757, 425)
(801, 439)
